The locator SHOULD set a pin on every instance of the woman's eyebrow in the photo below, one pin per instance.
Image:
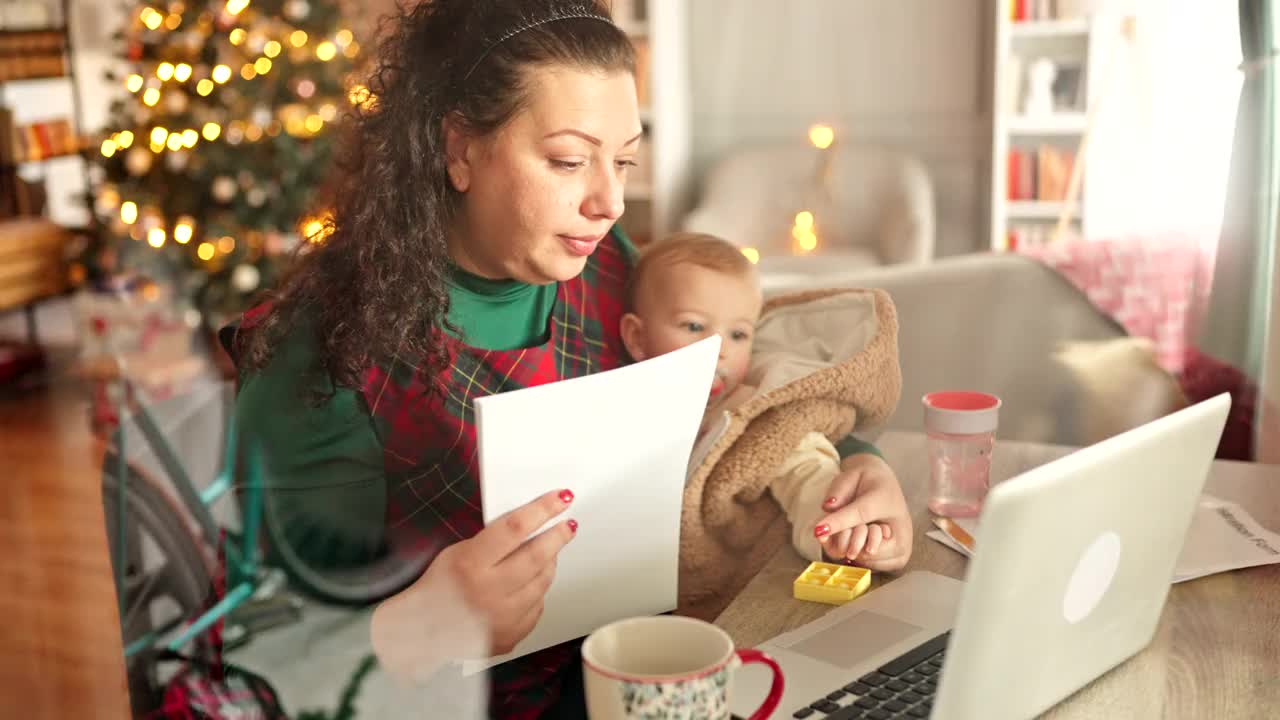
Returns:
(589, 138)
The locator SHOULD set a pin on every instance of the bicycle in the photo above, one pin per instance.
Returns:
(172, 547)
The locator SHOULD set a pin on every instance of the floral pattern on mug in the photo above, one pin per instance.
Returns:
(702, 698)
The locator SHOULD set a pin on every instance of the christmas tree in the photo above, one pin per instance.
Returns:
(214, 152)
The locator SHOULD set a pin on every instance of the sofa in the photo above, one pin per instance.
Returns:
(1008, 325)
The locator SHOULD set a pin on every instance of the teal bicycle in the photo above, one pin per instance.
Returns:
(167, 547)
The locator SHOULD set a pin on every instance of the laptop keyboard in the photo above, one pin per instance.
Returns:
(902, 688)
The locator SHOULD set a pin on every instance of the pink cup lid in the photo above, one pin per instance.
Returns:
(961, 412)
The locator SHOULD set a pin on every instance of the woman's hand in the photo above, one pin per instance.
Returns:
(490, 586)
(868, 522)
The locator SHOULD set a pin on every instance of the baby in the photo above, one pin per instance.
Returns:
(691, 286)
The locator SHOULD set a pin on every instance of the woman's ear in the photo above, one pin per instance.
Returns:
(457, 144)
(632, 327)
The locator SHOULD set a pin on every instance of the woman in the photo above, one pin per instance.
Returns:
(472, 250)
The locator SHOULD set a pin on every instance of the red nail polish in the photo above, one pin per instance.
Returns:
(821, 531)
(566, 496)
(573, 526)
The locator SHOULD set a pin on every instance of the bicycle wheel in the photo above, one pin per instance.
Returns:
(166, 575)
(332, 544)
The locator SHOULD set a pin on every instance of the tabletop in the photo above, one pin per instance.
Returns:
(1216, 652)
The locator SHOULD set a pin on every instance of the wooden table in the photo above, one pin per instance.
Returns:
(1216, 653)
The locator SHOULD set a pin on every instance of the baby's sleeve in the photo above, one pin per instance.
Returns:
(800, 486)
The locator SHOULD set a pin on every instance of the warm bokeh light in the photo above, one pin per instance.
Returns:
(822, 136)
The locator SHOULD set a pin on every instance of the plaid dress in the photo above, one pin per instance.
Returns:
(429, 440)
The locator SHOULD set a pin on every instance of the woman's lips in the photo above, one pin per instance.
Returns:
(581, 245)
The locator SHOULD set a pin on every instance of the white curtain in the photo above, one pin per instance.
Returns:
(1161, 148)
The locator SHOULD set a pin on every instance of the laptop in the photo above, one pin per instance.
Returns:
(1071, 572)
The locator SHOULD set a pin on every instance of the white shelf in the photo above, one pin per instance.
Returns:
(1049, 28)
(1057, 124)
(1037, 210)
(1074, 41)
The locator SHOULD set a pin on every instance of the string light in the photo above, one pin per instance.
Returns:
(190, 138)
(226, 244)
(253, 133)
(173, 21)
(248, 72)
(752, 254)
(151, 18)
(151, 97)
(221, 74)
(205, 251)
(159, 135)
(359, 94)
(326, 51)
(108, 148)
(165, 71)
(316, 229)
(803, 232)
(344, 37)
(272, 48)
(314, 123)
(235, 7)
(156, 237)
(183, 232)
(237, 36)
(262, 66)
(182, 73)
(134, 83)
(298, 38)
(175, 142)
(211, 131)
(352, 50)
(204, 87)
(124, 139)
(822, 136)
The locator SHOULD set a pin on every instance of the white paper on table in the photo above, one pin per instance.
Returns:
(1222, 537)
(620, 440)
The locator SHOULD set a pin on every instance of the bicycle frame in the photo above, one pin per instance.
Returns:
(241, 553)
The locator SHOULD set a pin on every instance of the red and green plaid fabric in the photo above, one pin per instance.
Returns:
(429, 440)
(203, 690)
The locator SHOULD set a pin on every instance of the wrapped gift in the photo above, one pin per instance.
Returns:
(139, 332)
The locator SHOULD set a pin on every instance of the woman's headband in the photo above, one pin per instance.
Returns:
(532, 24)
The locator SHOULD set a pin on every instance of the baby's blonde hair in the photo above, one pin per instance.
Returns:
(692, 248)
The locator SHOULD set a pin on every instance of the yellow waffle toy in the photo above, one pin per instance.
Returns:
(830, 583)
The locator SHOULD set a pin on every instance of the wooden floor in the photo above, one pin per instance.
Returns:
(60, 653)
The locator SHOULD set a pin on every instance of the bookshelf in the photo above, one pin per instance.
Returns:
(657, 190)
(1034, 140)
(35, 49)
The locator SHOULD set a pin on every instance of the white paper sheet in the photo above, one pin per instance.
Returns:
(620, 440)
(1223, 536)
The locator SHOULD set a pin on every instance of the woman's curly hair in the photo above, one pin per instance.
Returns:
(375, 287)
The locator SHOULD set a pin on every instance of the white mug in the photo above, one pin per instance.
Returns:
(666, 668)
